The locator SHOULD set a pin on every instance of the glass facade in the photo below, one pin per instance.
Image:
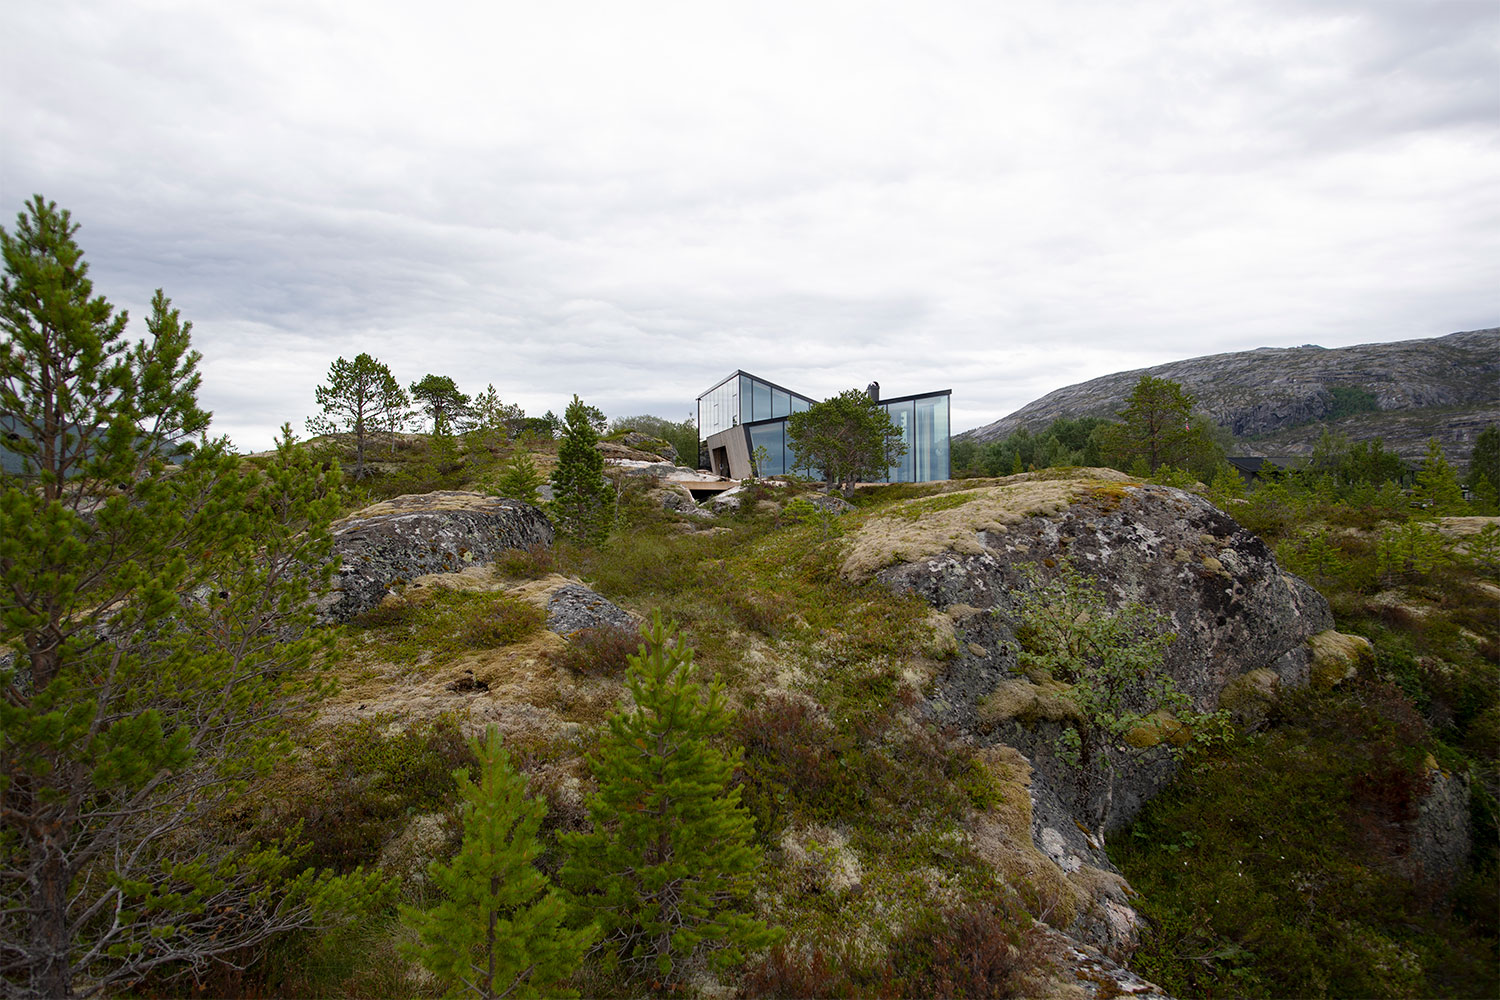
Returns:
(762, 408)
(741, 398)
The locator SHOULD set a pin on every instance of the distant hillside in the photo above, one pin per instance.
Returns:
(1276, 401)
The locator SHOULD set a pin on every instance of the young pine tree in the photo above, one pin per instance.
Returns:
(1437, 484)
(155, 630)
(580, 496)
(498, 930)
(520, 480)
(670, 858)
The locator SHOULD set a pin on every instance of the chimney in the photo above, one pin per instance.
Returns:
(873, 391)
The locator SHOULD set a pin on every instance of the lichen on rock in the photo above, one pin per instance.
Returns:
(415, 534)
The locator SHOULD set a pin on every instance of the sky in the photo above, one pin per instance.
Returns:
(628, 201)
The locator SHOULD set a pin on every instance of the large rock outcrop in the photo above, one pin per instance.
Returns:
(415, 534)
(969, 552)
(1239, 621)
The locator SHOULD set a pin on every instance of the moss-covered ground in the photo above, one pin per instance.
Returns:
(897, 856)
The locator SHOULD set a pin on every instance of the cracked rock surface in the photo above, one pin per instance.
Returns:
(419, 533)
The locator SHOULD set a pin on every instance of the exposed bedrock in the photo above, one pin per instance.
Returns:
(416, 534)
(1231, 607)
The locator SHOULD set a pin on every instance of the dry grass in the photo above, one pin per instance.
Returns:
(952, 522)
(1337, 657)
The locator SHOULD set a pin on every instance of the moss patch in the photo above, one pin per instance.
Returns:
(915, 529)
(1019, 698)
(1336, 657)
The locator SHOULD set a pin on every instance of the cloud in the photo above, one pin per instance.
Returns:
(629, 201)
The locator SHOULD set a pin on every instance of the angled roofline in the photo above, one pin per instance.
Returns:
(740, 371)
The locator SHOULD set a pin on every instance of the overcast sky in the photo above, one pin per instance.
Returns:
(630, 200)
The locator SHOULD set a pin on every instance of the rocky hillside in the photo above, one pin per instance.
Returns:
(1276, 401)
(829, 648)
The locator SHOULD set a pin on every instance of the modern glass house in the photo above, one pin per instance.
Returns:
(744, 412)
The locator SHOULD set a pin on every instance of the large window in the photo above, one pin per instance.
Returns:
(771, 437)
(923, 422)
(742, 398)
(719, 408)
(930, 438)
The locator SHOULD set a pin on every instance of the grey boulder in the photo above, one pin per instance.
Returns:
(416, 534)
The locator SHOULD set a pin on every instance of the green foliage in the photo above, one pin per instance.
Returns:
(521, 480)
(1274, 868)
(759, 459)
(1111, 660)
(1159, 429)
(580, 496)
(1437, 485)
(372, 776)
(498, 931)
(963, 458)
(1482, 551)
(1484, 460)
(849, 437)
(490, 419)
(437, 623)
(798, 510)
(159, 625)
(1064, 442)
(681, 435)
(1226, 485)
(669, 859)
(361, 395)
(441, 400)
(1410, 551)
(1347, 400)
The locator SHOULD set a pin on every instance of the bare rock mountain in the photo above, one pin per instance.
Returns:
(1276, 401)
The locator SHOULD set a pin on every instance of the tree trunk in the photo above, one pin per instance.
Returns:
(51, 971)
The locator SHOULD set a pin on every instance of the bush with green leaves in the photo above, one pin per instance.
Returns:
(498, 929)
(667, 867)
(1280, 866)
(1110, 658)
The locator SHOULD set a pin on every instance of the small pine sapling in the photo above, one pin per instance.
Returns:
(521, 480)
(668, 863)
(498, 931)
(581, 502)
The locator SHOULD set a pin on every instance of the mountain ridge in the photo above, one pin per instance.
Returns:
(1278, 400)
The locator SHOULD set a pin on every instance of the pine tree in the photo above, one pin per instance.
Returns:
(155, 628)
(394, 408)
(356, 399)
(670, 856)
(520, 480)
(580, 496)
(847, 438)
(1159, 428)
(1437, 485)
(1484, 469)
(441, 401)
(498, 931)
